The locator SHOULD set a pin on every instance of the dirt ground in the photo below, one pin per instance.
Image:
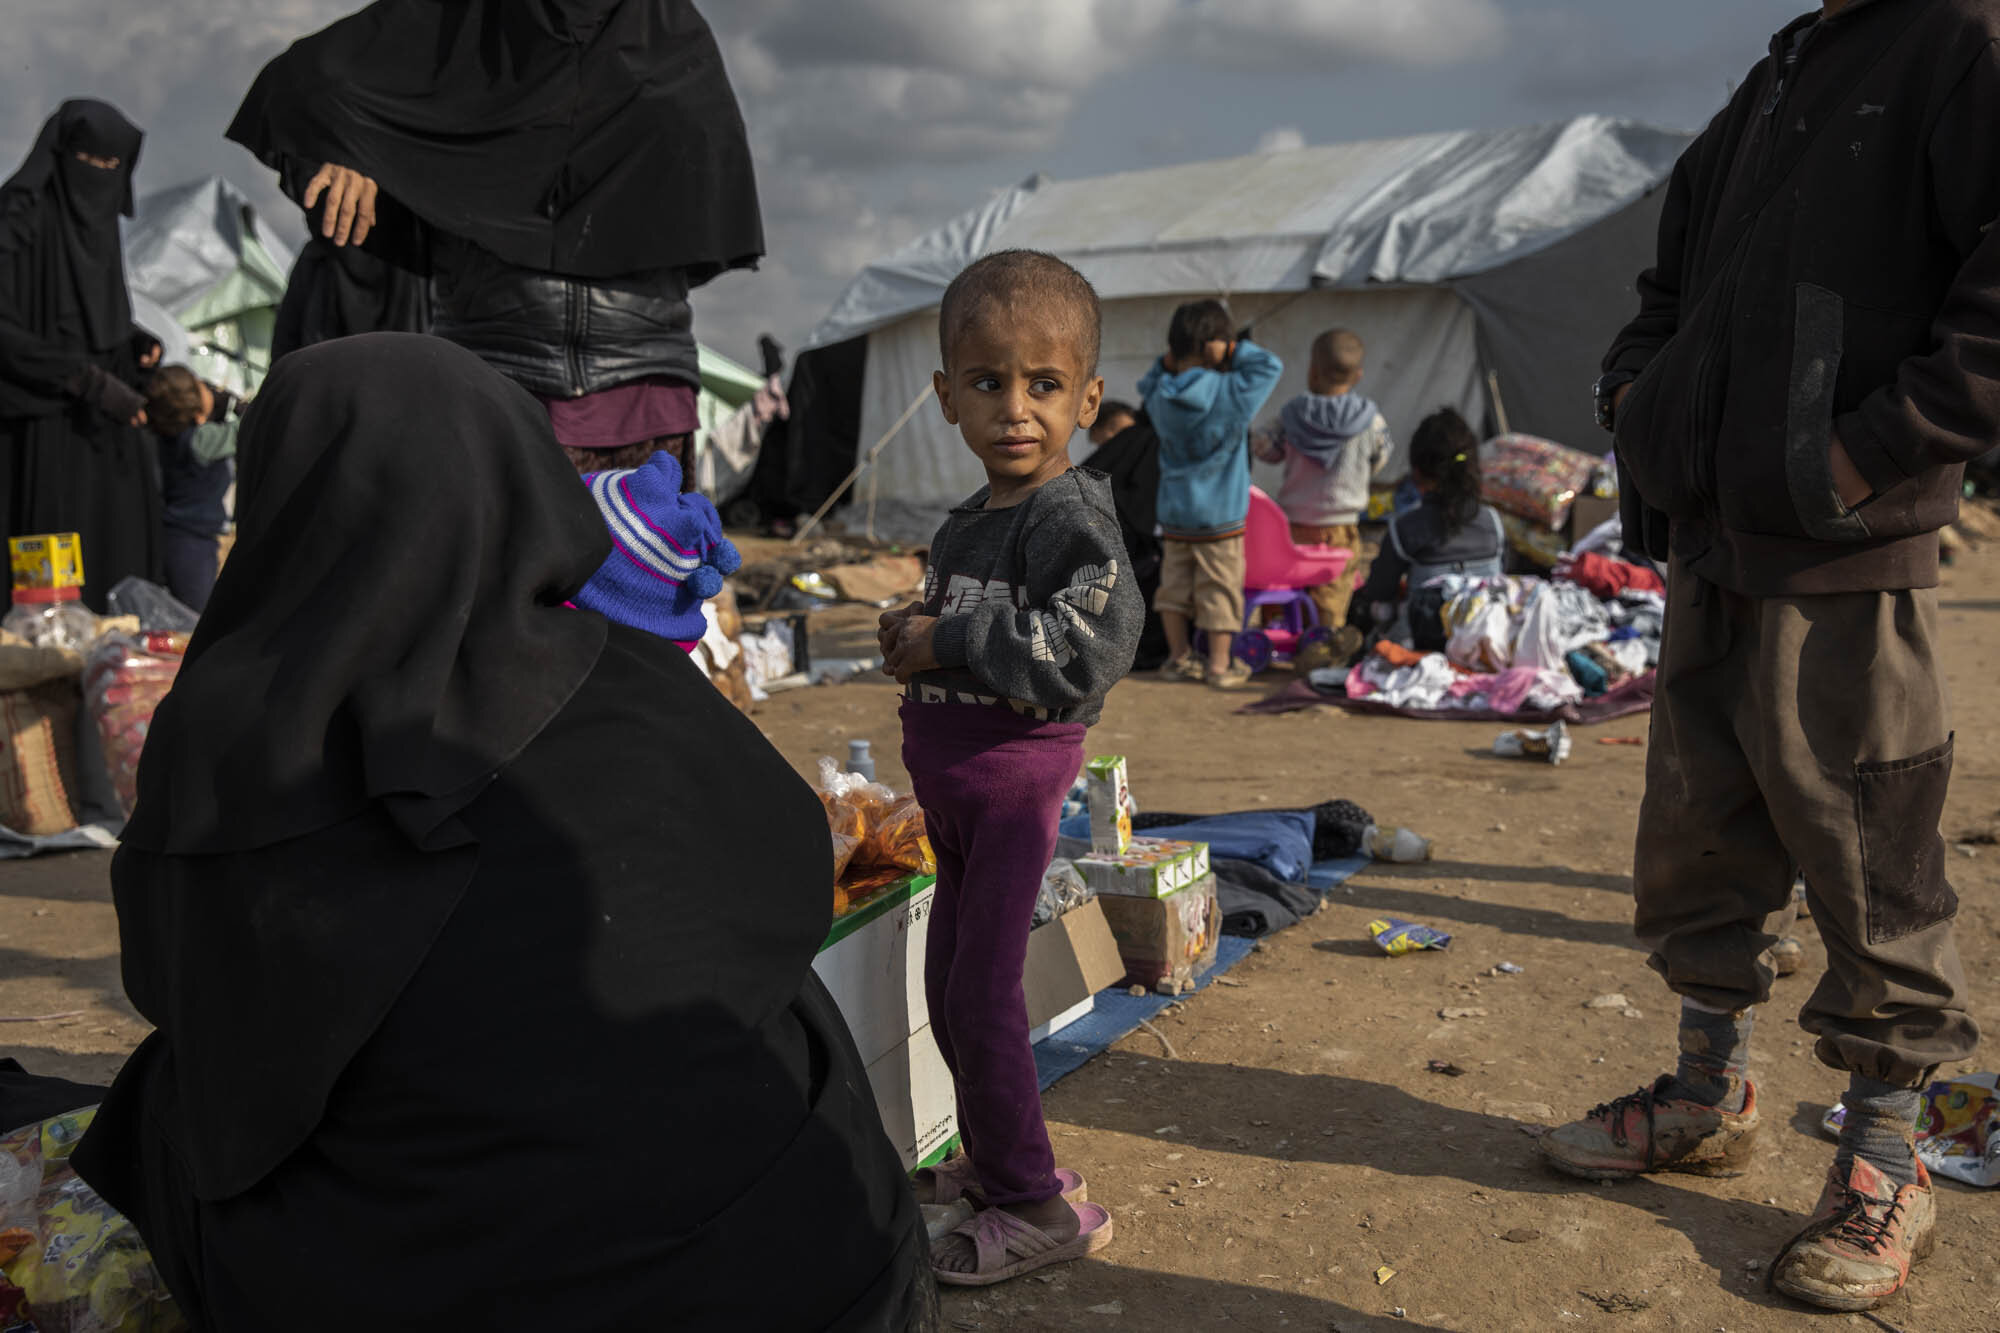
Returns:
(1293, 1146)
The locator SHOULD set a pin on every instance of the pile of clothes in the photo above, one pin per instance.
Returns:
(1519, 646)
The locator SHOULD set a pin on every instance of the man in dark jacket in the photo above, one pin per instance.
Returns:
(1816, 356)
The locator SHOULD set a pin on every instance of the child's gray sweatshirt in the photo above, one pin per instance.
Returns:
(1037, 606)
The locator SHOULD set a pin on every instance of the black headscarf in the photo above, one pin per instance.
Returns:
(78, 205)
(390, 626)
(590, 138)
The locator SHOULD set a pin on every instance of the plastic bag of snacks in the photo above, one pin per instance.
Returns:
(1396, 937)
(124, 678)
(899, 840)
(1533, 478)
(878, 836)
(69, 1262)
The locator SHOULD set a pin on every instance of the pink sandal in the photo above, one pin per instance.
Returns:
(1004, 1246)
(954, 1179)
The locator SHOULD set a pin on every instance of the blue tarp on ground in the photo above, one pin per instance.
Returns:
(1117, 1012)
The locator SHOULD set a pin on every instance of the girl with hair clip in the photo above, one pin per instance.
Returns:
(1450, 532)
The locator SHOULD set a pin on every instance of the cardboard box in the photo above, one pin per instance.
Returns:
(1069, 960)
(913, 1093)
(1153, 868)
(1166, 942)
(1586, 513)
(1108, 794)
(873, 964)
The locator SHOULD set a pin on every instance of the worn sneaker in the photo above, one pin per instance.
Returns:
(1649, 1131)
(1788, 955)
(1235, 676)
(1187, 668)
(1861, 1241)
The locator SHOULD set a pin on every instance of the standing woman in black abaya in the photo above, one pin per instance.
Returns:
(565, 172)
(72, 455)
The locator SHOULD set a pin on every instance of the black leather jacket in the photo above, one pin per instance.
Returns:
(563, 337)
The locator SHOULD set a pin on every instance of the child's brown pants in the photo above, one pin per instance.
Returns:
(1806, 732)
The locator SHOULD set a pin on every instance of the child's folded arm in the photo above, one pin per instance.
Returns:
(1252, 377)
(1076, 637)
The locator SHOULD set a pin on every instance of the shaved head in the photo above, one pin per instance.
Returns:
(1337, 358)
(1022, 285)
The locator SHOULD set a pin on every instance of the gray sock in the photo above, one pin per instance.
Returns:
(1881, 1128)
(1715, 1051)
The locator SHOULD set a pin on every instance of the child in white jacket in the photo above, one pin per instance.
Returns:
(1332, 441)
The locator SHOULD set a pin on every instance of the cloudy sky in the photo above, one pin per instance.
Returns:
(873, 120)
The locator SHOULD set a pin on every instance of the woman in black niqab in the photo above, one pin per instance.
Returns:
(472, 926)
(72, 457)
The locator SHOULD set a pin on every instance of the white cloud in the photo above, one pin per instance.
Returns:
(879, 81)
(1329, 34)
(838, 95)
(1281, 139)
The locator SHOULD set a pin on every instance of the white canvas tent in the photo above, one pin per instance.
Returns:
(1512, 251)
(200, 253)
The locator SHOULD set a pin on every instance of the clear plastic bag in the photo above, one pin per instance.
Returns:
(900, 840)
(124, 678)
(156, 608)
(69, 1262)
(878, 836)
(1062, 890)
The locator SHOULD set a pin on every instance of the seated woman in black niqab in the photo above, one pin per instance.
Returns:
(72, 458)
(477, 932)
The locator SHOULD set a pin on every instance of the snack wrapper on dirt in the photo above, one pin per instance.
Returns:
(1958, 1128)
(69, 1262)
(124, 678)
(1533, 478)
(878, 836)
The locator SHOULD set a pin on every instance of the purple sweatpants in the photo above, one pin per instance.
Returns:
(992, 785)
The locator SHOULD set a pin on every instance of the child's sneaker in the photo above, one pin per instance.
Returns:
(1861, 1241)
(1186, 668)
(1235, 676)
(1648, 1131)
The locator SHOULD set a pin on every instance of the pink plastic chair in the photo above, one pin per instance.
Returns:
(1276, 572)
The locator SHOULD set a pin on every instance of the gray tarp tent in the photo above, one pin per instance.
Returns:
(1511, 251)
(200, 253)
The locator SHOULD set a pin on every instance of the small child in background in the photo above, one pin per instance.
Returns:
(1449, 532)
(1030, 614)
(1201, 397)
(195, 425)
(1112, 419)
(1332, 441)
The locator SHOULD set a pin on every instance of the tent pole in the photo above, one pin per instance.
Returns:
(866, 462)
(1499, 407)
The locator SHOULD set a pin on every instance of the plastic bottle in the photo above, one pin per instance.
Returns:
(1401, 845)
(859, 760)
(51, 618)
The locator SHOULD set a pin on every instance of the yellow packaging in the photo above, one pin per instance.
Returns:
(1108, 795)
(47, 560)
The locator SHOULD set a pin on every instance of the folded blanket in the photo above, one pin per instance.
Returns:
(1256, 903)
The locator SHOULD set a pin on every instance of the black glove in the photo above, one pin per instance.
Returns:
(107, 393)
